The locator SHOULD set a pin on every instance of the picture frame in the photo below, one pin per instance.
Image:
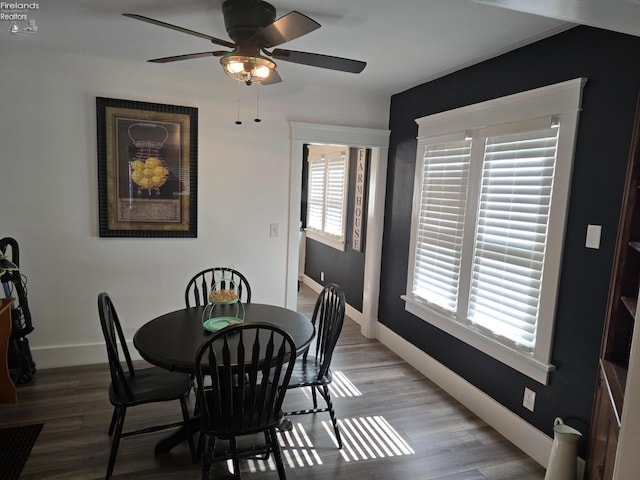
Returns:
(147, 169)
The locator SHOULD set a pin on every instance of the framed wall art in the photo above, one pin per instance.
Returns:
(147, 169)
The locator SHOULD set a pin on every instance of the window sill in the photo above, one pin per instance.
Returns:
(329, 241)
(525, 364)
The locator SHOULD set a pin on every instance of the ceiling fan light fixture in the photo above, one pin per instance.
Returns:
(247, 68)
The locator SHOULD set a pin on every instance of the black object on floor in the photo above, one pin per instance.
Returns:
(22, 368)
(15, 446)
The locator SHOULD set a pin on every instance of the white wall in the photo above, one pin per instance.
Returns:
(48, 189)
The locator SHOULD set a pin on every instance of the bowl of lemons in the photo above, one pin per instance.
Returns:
(149, 174)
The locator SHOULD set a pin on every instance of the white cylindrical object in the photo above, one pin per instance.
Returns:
(563, 461)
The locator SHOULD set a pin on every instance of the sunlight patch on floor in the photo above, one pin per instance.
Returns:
(340, 387)
(363, 438)
(366, 438)
(297, 451)
(260, 465)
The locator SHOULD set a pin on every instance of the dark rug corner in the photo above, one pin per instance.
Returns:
(15, 446)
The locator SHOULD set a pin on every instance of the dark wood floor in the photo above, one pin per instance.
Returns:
(395, 424)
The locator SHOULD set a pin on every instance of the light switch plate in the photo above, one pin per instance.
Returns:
(529, 399)
(593, 236)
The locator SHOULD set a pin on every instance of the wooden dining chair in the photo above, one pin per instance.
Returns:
(131, 387)
(216, 278)
(315, 372)
(242, 373)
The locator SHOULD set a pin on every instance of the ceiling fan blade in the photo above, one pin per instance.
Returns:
(215, 40)
(318, 60)
(188, 56)
(273, 78)
(286, 28)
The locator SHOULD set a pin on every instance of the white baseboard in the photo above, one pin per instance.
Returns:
(74, 355)
(529, 439)
(523, 435)
(351, 312)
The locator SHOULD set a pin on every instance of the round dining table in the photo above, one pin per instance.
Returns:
(171, 340)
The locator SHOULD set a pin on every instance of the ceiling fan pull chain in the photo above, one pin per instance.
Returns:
(257, 119)
(238, 122)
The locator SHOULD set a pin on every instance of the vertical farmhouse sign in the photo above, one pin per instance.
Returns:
(359, 200)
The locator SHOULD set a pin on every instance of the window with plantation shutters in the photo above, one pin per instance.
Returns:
(444, 182)
(490, 198)
(511, 234)
(326, 195)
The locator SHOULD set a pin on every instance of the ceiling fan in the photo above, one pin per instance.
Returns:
(253, 27)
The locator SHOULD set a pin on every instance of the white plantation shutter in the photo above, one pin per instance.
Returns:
(326, 197)
(315, 195)
(511, 234)
(334, 199)
(443, 198)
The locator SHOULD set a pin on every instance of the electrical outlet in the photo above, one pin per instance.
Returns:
(529, 399)
(322, 276)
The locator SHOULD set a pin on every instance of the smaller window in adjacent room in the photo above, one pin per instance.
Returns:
(328, 168)
(490, 198)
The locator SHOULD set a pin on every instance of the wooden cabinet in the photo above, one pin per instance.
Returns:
(7, 388)
(604, 433)
(617, 360)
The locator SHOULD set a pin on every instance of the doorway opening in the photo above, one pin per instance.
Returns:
(377, 141)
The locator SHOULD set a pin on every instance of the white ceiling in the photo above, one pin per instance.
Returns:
(617, 15)
(404, 42)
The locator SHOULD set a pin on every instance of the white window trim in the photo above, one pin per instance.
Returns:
(562, 100)
(333, 241)
(328, 240)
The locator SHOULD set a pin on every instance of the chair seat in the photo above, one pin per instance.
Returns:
(152, 384)
(306, 374)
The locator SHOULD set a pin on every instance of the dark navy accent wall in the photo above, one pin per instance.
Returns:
(344, 268)
(610, 63)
